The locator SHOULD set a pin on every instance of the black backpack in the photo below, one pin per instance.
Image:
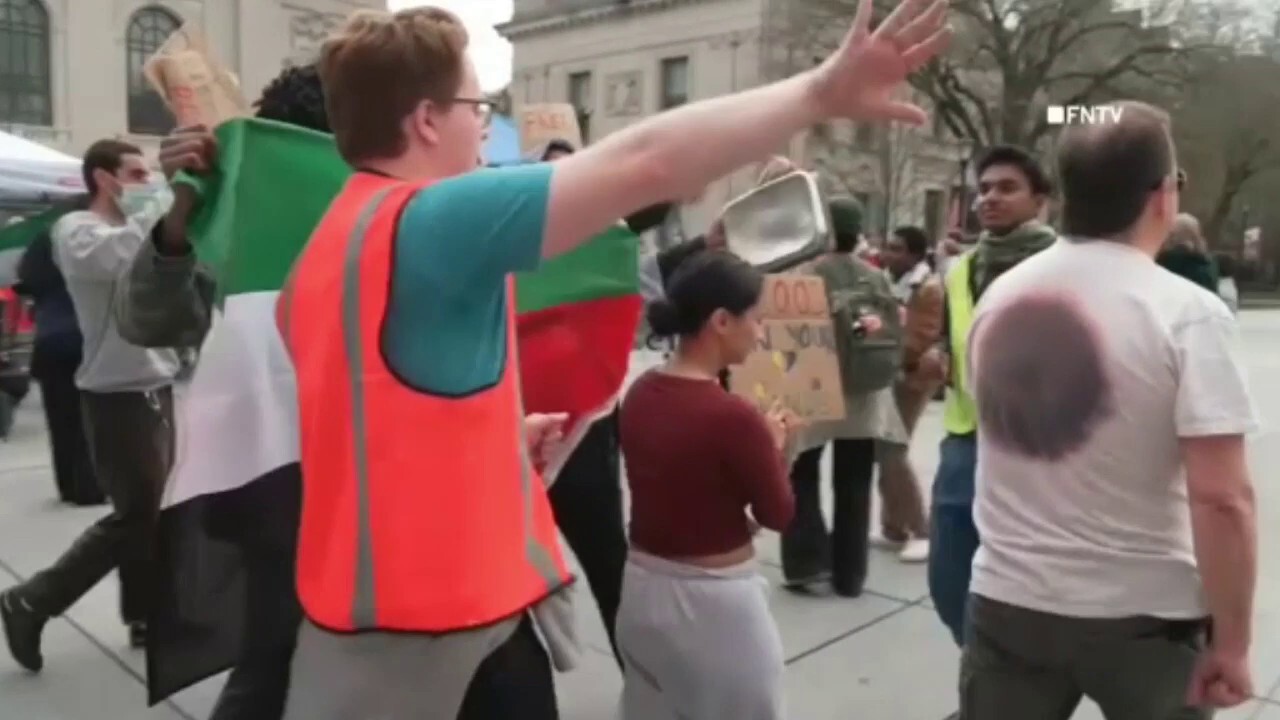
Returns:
(868, 361)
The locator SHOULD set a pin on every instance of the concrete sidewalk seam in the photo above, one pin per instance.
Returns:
(865, 591)
(850, 633)
(116, 659)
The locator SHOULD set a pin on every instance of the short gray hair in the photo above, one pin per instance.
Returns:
(1186, 234)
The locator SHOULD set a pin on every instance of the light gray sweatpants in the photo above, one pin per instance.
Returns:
(698, 644)
(386, 676)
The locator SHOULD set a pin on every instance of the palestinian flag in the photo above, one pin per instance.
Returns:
(577, 323)
(237, 418)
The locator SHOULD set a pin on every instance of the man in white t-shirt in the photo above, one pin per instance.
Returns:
(1113, 500)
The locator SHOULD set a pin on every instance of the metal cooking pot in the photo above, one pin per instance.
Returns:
(780, 224)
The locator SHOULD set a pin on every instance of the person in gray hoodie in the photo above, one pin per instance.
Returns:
(126, 398)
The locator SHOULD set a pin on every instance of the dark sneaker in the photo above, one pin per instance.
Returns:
(22, 629)
(846, 589)
(138, 635)
(804, 583)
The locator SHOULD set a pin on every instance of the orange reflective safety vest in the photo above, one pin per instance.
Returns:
(420, 513)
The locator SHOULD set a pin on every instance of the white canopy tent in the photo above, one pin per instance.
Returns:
(32, 174)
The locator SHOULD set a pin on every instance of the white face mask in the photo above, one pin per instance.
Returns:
(153, 198)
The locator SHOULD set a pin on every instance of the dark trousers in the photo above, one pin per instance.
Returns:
(1021, 664)
(130, 436)
(266, 531)
(515, 681)
(586, 499)
(259, 683)
(807, 550)
(72, 468)
(953, 537)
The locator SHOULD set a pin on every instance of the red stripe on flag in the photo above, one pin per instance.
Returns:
(573, 358)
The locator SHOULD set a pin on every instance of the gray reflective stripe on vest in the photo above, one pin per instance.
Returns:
(540, 556)
(364, 604)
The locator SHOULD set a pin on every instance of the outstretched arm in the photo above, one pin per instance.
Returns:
(678, 153)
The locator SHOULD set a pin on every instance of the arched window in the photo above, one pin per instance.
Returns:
(148, 29)
(25, 94)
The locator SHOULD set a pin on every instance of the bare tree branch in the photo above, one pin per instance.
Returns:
(1011, 58)
(1226, 133)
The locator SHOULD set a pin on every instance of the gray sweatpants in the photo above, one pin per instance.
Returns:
(697, 644)
(386, 676)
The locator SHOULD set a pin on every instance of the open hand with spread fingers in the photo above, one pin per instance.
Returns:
(860, 79)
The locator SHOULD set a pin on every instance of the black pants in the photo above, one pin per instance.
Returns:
(72, 469)
(515, 681)
(259, 683)
(266, 531)
(130, 436)
(807, 550)
(587, 502)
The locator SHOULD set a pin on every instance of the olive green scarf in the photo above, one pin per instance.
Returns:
(997, 253)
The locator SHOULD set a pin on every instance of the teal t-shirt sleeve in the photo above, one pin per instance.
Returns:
(479, 226)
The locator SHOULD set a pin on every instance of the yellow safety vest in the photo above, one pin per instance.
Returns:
(960, 416)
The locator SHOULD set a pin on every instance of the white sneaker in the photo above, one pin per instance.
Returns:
(880, 542)
(915, 550)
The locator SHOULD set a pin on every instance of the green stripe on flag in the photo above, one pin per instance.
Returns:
(19, 235)
(603, 268)
(273, 183)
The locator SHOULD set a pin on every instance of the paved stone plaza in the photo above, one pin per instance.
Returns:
(884, 656)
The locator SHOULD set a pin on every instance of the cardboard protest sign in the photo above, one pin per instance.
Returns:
(795, 360)
(197, 88)
(543, 122)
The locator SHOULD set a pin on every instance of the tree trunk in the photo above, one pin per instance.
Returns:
(1221, 210)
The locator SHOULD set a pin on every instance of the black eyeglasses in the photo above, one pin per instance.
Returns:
(483, 108)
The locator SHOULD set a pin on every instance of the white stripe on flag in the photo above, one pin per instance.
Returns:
(237, 418)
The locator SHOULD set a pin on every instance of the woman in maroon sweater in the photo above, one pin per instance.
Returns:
(694, 628)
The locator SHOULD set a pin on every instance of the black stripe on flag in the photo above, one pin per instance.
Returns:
(218, 556)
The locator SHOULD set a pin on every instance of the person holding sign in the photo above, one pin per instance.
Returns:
(694, 626)
(426, 533)
(868, 340)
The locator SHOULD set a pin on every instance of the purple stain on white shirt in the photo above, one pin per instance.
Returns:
(1039, 380)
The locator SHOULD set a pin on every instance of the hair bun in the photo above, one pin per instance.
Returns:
(664, 318)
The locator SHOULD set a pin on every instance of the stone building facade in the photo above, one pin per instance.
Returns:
(70, 70)
(619, 61)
